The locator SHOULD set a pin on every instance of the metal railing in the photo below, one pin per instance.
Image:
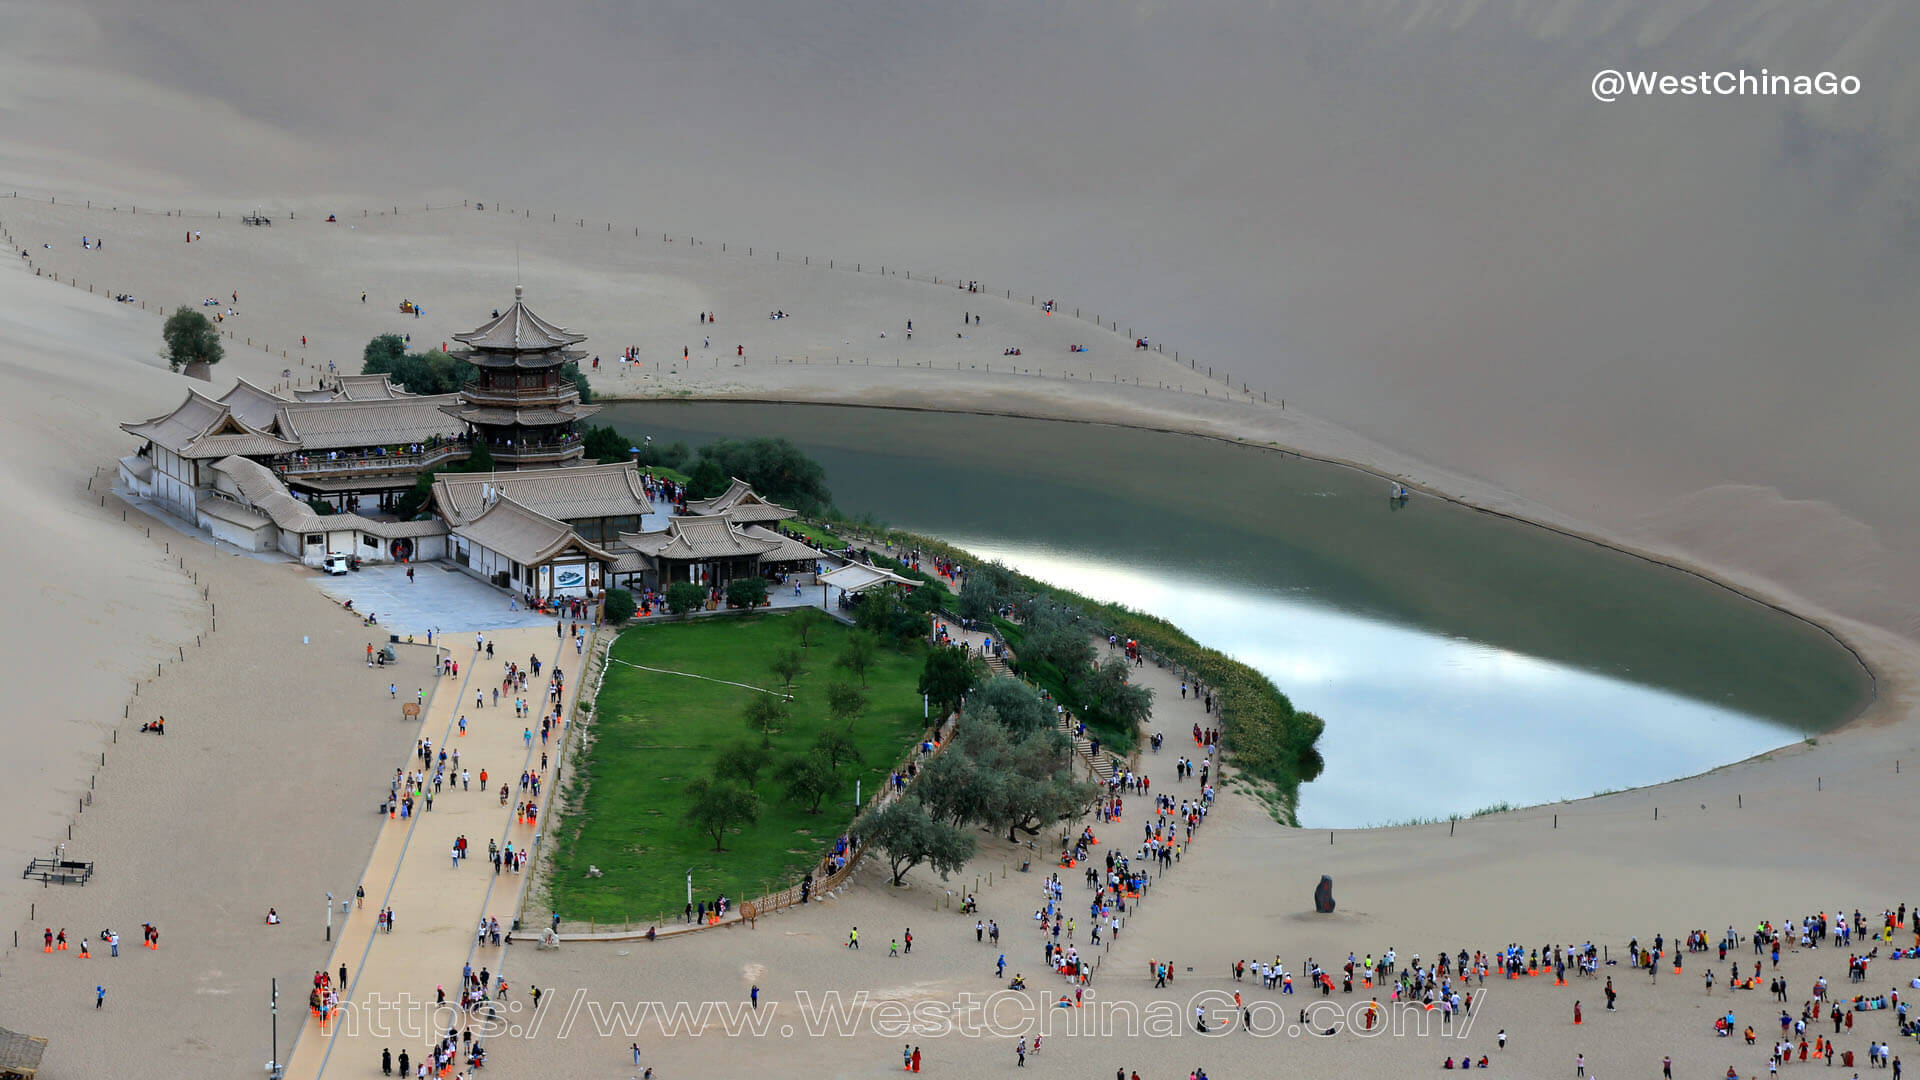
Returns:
(373, 463)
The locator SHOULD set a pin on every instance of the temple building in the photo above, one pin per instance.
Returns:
(709, 550)
(335, 449)
(518, 403)
(260, 471)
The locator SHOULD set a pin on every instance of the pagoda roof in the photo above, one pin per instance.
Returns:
(523, 534)
(519, 330)
(742, 503)
(568, 494)
(536, 416)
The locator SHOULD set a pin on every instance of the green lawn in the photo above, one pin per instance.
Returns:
(653, 733)
(816, 533)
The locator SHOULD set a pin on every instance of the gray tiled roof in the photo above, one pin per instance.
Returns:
(689, 537)
(741, 503)
(366, 388)
(519, 330)
(253, 406)
(524, 535)
(567, 494)
(343, 423)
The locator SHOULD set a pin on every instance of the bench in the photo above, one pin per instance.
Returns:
(256, 219)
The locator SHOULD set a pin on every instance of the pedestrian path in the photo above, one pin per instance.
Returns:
(392, 977)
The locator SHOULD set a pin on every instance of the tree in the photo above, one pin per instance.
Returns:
(957, 790)
(191, 339)
(715, 805)
(684, 596)
(809, 778)
(775, 468)
(857, 656)
(1015, 705)
(430, 372)
(743, 761)
(619, 606)
(605, 445)
(572, 373)
(989, 586)
(1028, 780)
(844, 701)
(320, 506)
(765, 714)
(838, 746)
(671, 456)
(909, 836)
(884, 613)
(708, 480)
(788, 665)
(947, 676)
(1107, 694)
(383, 355)
(976, 601)
(1056, 634)
(806, 623)
(747, 592)
(479, 459)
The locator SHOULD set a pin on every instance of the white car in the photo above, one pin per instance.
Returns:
(335, 564)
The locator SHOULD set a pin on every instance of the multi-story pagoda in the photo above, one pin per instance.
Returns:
(518, 403)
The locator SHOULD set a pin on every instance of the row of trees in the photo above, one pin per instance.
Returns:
(434, 371)
(731, 797)
(1008, 769)
(776, 468)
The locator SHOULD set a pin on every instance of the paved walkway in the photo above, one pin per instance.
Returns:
(438, 907)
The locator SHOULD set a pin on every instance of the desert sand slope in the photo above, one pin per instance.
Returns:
(259, 795)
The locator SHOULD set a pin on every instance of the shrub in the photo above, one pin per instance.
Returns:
(619, 606)
(684, 596)
(747, 592)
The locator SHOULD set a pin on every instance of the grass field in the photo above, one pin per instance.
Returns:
(653, 733)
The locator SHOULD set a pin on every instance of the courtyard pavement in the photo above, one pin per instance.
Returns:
(441, 597)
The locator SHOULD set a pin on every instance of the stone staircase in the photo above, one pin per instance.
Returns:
(1101, 765)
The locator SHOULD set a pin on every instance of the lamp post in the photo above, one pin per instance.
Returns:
(329, 914)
